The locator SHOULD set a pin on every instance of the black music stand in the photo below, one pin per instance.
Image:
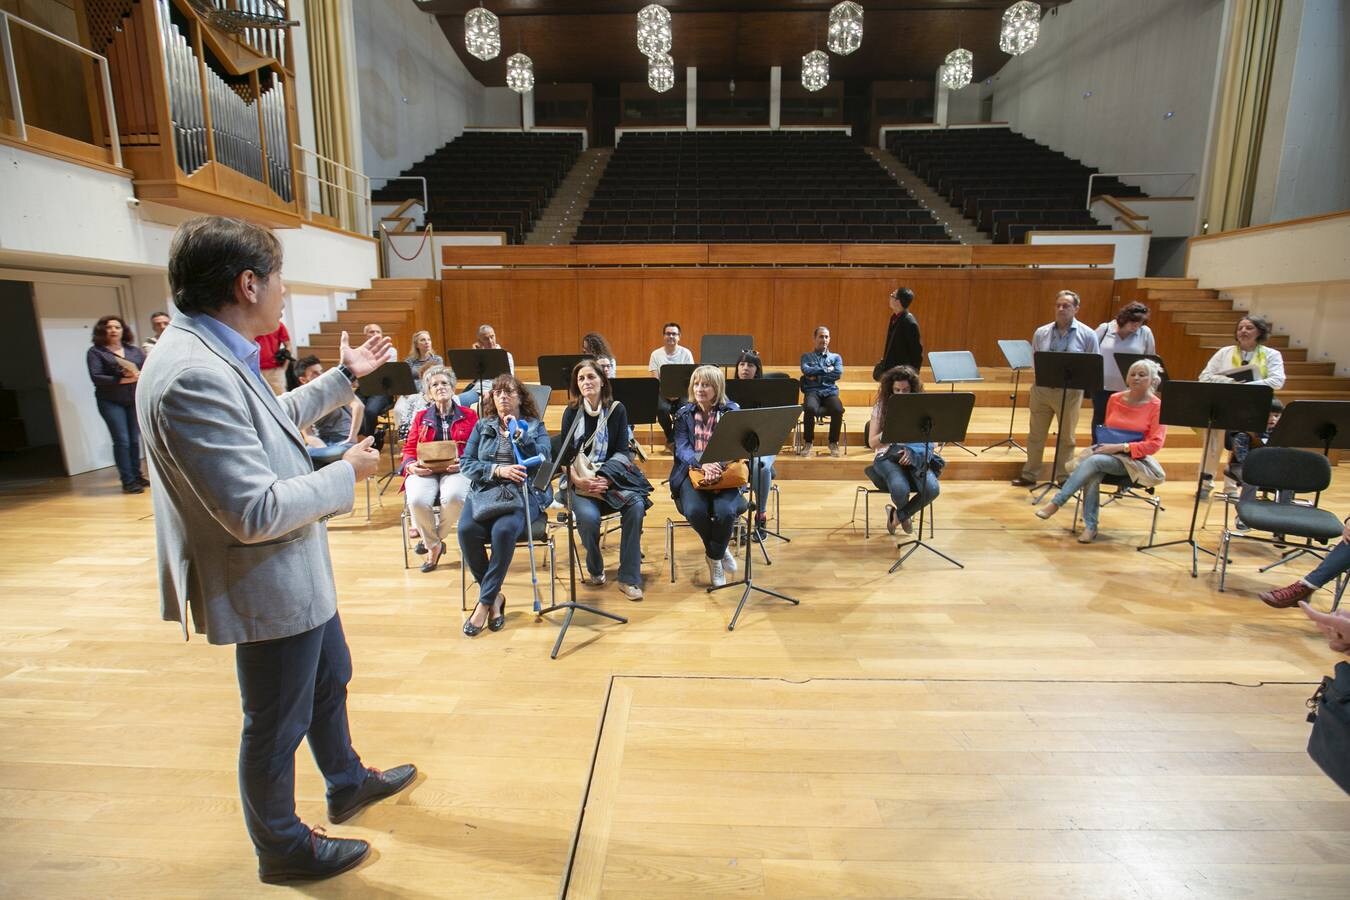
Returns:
(479, 365)
(545, 474)
(762, 393)
(914, 418)
(675, 380)
(738, 433)
(1125, 360)
(953, 367)
(723, 349)
(1324, 424)
(392, 380)
(1018, 356)
(1067, 372)
(556, 371)
(640, 398)
(1210, 405)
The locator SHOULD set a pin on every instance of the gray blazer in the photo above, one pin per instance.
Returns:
(239, 508)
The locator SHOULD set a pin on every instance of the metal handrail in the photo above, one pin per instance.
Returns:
(426, 206)
(1088, 203)
(362, 195)
(12, 77)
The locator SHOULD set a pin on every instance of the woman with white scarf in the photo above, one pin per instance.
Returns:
(603, 435)
(1250, 351)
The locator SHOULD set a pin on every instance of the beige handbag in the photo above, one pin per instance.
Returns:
(583, 468)
(438, 456)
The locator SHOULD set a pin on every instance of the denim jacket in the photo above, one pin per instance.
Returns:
(480, 455)
(821, 372)
(685, 457)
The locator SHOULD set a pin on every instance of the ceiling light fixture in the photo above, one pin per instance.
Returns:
(1021, 27)
(482, 33)
(815, 70)
(520, 73)
(957, 69)
(661, 73)
(846, 28)
(653, 30)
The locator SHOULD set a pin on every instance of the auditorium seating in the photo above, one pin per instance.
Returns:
(751, 186)
(1005, 183)
(490, 180)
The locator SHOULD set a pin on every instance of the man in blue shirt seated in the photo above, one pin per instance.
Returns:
(821, 371)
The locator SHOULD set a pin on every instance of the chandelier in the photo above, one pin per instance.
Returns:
(653, 30)
(482, 34)
(815, 70)
(957, 69)
(661, 73)
(1021, 27)
(846, 26)
(519, 73)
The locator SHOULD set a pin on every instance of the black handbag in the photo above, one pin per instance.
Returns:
(1329, 743)
(493, 501)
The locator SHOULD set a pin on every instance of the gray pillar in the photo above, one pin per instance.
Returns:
(775, 96)
(691, 97)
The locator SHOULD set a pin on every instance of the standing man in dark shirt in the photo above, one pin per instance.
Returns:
(903, 345)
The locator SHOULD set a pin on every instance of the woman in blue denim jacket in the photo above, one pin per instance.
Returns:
(908, 471)
(490, 461)
(712, 514)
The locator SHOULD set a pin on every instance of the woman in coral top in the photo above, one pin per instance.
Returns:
(1134, 410)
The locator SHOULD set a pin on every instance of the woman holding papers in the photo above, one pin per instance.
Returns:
(1249, 361)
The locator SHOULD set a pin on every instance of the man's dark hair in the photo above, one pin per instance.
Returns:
(905, 296)
(305, 362)
(675, 325)
(156, 315)
(207, 255)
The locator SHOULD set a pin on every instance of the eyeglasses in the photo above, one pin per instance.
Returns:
(505, 392)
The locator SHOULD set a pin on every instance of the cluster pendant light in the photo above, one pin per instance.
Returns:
(520, 73)
(815, 70)
(957, 69)
(653, 30)
(661, 73)
(846, 28)
(1021, 27)
(482, 34)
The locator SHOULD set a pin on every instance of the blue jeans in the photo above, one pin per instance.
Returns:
(126, 439)
(712, 515)
(588, 512)
(469, 397)
(501, 533)
(292, 688)
(761, 478)
(1337, 562)
(890, 476)
(1088, 476)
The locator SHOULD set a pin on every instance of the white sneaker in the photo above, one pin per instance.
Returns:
(596, 580)
(715, 576)
(729, 561)
(804, 450)
(631, 591)
(836, 451)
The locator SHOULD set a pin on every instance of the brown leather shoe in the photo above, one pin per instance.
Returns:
(321, 857)
(1019, 481)
(1285, 597)
(377, 786)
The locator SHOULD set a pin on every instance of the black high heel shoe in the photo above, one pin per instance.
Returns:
(498, 622)
(472, 630)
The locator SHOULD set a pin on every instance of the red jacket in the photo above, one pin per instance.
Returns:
(268, 344)
(462, 421)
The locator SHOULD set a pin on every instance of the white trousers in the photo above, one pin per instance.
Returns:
(423, 491)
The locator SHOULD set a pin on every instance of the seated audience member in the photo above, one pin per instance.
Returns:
(158, 321)
(594, 344)
(748, 366)
(617, 483)
(274, 354)
(909, 472)
(422, 356)
(115, 364)
(490, 462)
(1133, 414)
(669, 353)
(339, 427)
(1242, 443)
(1247, 361)
(711, 513)
(1127, 333)
(821, 371)
(1336, 563)
(486, 340)
(376, 404)
(425, 485)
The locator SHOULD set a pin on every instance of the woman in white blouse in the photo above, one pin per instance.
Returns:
(1250, 352)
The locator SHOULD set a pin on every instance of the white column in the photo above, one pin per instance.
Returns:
(940, 100)
(775, 96)
(527, 110)
(691, 97)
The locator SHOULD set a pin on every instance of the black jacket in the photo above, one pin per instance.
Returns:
(903, 345)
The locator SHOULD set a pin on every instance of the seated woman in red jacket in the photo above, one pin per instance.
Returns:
(442, 420)
(1134, 410)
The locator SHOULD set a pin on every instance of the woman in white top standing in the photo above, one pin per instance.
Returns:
(1127, 333)
(1250, 351)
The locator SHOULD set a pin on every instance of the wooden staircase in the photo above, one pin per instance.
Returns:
(1191, 322)
(401, 306)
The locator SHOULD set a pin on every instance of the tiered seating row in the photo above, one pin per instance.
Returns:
(1006, 183)
(490, 181)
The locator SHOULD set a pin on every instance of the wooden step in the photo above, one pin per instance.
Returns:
(1163, 283)
(1227, 317)
(1173, 306)
(1181, 294)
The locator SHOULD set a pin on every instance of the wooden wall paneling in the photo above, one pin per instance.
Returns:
(467, 304)
(859, 328)
(1096, 296)
(1006, 308)
(672, 296)
(614, 307)
(739, 306)
(541, 318)
(943, 309)
(799, 305)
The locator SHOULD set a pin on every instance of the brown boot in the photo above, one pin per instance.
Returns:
(1285, 597)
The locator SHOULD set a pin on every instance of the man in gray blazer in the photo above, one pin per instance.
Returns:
(239, 524)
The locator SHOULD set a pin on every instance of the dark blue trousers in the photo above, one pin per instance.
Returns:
(292, 688)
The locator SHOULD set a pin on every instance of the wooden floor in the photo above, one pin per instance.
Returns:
(1053, 720)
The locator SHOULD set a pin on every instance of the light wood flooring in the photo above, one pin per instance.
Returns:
(1054, 720)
